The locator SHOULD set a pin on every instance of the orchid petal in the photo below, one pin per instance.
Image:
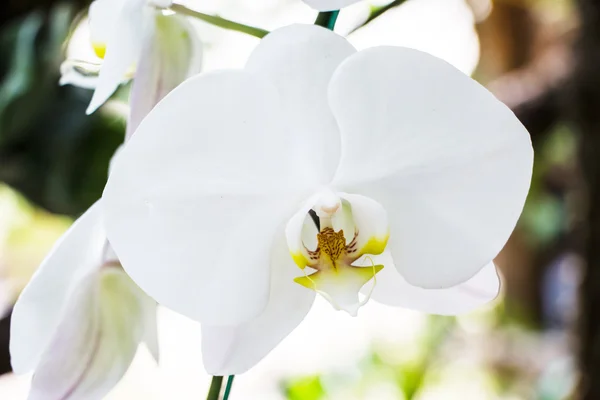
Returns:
(450, 163)
(96, 342)
(162, 3)
(151, 324)
(369, 224)
(391, 289)
(102, 22)
(42, 304)
(70, 74)
(204, 183)
(300, 232)
(232, 350)
(300, 60)
(82, 74)
(168, 57)
(132, 25)
(329, 5)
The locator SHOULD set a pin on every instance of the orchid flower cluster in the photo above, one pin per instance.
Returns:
(382, 175)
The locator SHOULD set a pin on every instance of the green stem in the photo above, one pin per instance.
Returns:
(220, 22)
(327, 19)
(215, 388)
(228, 387)
(377, 11)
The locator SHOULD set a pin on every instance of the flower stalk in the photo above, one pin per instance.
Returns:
(327, 19)
(378, 11)
(215, 388)
(220, 22)
(228, 387)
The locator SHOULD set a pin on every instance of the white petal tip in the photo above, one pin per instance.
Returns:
(96, 102)
(91, 109)
(18, 364)
(153, 349)
(352, 310)
(17, 368)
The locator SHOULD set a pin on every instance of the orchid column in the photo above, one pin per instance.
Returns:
(79, 322)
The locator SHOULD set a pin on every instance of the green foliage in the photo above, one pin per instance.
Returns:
(50, 150)
(305, 388)
(409, 375)
(545, 216)
(444, 358)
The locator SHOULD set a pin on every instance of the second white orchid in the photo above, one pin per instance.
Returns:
(79, 321)
(136, 37)
(317, 169)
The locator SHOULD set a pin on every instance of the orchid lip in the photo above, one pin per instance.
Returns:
(335, 252)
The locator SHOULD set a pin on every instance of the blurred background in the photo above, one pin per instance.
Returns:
(539, 341)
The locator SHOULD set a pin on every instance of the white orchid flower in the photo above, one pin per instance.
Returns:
(329, 5)
(79, 321)
(135, 35)
(415, 174)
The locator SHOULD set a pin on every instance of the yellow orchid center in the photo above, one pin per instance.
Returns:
(336, 278)
(331, 244)
(99, 49)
